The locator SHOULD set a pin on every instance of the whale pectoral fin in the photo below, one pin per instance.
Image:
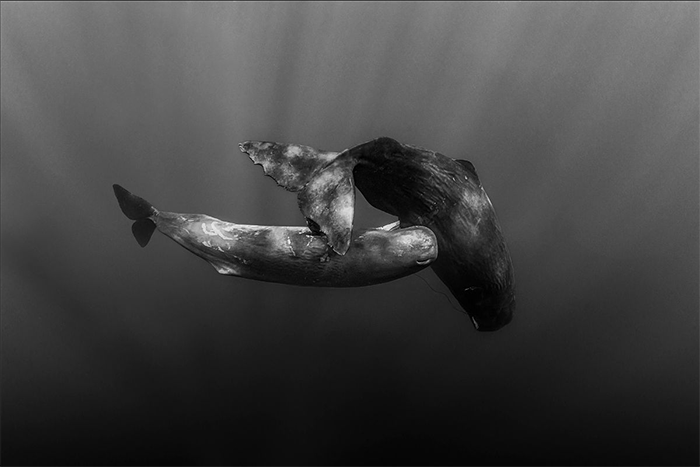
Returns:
(292, 166)
(328, 202)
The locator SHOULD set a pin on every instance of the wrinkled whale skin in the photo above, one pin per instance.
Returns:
(420, 187)
(426, 188)
(297, 256)
(287, 255)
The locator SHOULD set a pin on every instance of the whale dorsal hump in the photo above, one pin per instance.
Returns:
(471, 169)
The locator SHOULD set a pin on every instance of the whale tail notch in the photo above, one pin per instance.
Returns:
(138, 210)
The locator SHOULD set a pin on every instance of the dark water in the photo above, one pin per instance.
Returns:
(582, 120)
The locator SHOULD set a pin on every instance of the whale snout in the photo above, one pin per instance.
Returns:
(424, 246)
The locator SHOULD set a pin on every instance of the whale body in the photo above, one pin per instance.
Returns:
(446, 220)
(287, 255)
(420, 187)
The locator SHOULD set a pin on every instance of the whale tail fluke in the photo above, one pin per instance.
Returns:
(139, 210)
(323, 180)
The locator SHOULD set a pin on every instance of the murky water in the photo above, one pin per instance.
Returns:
(582, 120)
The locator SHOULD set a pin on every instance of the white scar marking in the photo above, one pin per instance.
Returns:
(218, 232)
(241, 260)
(214, 231)
(389, 227)
(346, 211)
(293, 151)
(223, 268)
(289, 244)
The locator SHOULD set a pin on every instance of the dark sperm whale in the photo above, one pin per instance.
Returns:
(420, 187)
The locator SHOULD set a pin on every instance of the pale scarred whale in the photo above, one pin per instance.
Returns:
(288, 255)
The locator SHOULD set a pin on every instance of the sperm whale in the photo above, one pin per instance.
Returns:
(420, 187)
(288, 255)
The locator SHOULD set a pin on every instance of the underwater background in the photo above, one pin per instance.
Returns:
(581, 119)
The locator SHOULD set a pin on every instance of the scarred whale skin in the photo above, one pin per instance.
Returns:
(422, 188)
(287, 255)
(294, 255)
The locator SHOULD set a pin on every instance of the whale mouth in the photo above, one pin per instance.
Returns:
(492, 325)
(493, 319)
(475, 323)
